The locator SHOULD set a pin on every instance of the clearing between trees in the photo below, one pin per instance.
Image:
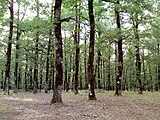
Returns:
(130, 106)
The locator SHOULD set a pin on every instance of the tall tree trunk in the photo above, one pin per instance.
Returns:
(77, 39)
(138, 59)
(9, 47)
(30, 78)
(109, 69)
(17, 56)
(57, 94)
(69, 74)
(120, 54)
(48, 53)
(35, 82)
(52, 70)
(85, 63)
(26, 73)
(144, 69)
(91, 81)
(80, 77)
(66, 66)
(99, 69)
(41, 74)
(2, 86)
(47, 64)
(158, 68)
(19, 79)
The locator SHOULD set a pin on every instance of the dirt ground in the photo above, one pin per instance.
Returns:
(130, 106)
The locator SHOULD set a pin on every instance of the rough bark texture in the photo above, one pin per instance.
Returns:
(77, 39)
(91, 81)
(57, 94)
(9, 47)
(120, 54)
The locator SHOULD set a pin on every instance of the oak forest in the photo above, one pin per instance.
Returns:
(79, 59)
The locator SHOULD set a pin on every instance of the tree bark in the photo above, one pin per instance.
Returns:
(138, 59)
(158, 68)
(120, 54)
(99, 70)
(77, 39)
(85, 63)
(69, 74)
(26, 73)
(15, 89)
(35, 82)
(91, 81)
(2, 86)
(9, 48)
(41, 74)
(30, 78)
(52, 70)
(109, 69)
(57, 94)
(48, 53)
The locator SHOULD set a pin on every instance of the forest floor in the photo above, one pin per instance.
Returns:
(129, 106)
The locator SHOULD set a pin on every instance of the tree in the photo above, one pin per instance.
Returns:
(48, 53)
(9, 48)
(77, 40)
(91, 79)
(120, 53)
(35, 82)
(57, 94)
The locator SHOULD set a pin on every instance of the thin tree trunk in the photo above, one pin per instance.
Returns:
(144, 69)
(158, 68)
(69, 74)
(35, 82)
(47, 64)
(19, 80)
(138, 60)
(80, 77)
(41, 74)
(15, 89)
(120, 54)
(9, 47)
(57, 94)
(30, 79)
(48, 53)
(109, 69)
(91, 81)
(65, 73)
(52, 70)
(85, 63)
(2, 87)
(26, 73)
(99, 69)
